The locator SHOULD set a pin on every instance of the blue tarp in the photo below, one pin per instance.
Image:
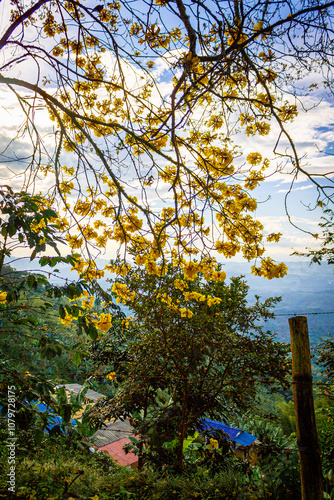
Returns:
(237, 435)
(53, 419)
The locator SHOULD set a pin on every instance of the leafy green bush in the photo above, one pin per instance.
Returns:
(54, 471)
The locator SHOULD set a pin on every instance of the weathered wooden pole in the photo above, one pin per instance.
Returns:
(307, 437)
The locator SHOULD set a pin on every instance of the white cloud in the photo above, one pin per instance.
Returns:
(302, 188)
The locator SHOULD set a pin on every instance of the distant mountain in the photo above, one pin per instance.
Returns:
(306, 290)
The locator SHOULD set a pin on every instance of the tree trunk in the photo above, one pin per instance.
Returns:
(141, 446)
(182, 429)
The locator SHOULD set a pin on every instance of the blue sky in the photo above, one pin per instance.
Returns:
(312, 132)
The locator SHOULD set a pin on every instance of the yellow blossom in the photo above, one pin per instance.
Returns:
(126, 322)
(3, 297)
(74, 241)
(104, 322)
(212, 301)
(274, 237)
(229, 249)
(67, 320)
(35, 227)
(88, 303)
(151, 267)
(180, 285)
(218, 276)
(269, 269)
(190, 270)
(66, 187)
(123, 293)
(186, 313)
(140, 260)
(194, 296)
(111, 376)
(79, 266)
(68, 170)
(213, 443)
(254, 158)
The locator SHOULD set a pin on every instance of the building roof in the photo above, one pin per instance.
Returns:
(76, 388)
(112, 432)
(237, 435)
(116, 451)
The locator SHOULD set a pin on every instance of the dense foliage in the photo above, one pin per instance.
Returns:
(197, 340)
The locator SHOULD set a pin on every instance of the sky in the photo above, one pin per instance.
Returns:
(312, 131)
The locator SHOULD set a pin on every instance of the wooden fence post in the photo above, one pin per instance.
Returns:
(307, 437)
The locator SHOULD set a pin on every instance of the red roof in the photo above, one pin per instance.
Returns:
(116, 451)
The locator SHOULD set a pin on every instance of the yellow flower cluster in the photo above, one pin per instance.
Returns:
(253, 179)
(180, 285)
(288, 112)
(74, 241)
(126, 322)
(35, 227)
(140, 259)
(88, 301)
(91, 272)
(254, 158)
(120, 269)
(166, 299)
(111, 376)
(199, 297)
(212, 301)
(274, 237)
(67, 320)
(3, 297)
(228, 249)
(103, 322)
(186, 313)
(123, 293)
(191, 270)
(235, 35)
(269, 269)
(66, 187)
(216, 276)
(213, 443)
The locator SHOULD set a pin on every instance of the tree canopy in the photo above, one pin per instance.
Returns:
(194, 337)
(145, 99)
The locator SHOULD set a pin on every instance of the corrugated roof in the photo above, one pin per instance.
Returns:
(116, 451)
(112, 432)
(238, 435)
(76, 388)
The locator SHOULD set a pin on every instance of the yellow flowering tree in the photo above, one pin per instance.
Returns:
(196, 339)
(145, 102)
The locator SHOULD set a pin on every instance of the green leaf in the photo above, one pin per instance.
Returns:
(33, 255)
(11, 229)
(92, 331)
(47, 305)
(67, 412)
(62, 312)
(77, 358)
(33, 282)
(29, 321)
(44, 261)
